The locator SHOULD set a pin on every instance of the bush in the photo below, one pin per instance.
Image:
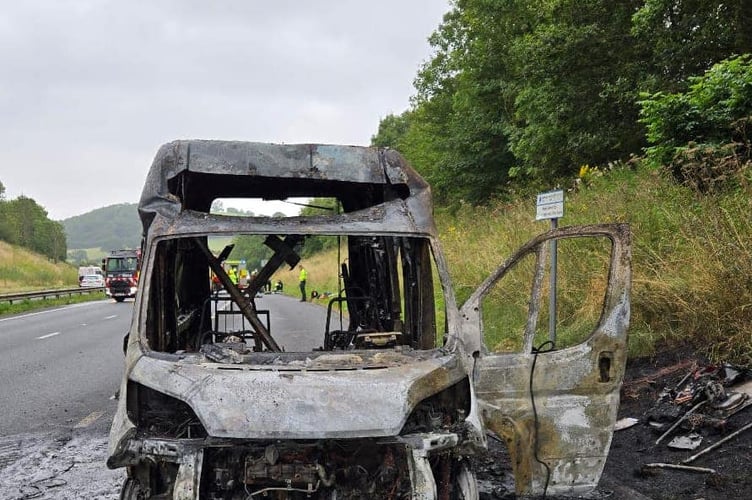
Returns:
(713, 112)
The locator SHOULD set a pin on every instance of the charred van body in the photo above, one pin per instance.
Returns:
(393, 397)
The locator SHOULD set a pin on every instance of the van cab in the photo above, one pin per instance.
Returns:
(396, 393)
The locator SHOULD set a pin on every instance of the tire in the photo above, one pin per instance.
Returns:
(466, 483)
(132, 490)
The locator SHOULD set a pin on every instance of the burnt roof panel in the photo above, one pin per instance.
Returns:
(190, 174)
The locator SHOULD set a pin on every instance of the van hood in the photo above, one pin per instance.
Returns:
(337, 397)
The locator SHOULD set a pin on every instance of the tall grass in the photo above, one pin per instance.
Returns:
(692, 262)
(706, 296)
(323, 274)
(22, 270)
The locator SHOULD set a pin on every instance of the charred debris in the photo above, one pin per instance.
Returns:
(707, 408)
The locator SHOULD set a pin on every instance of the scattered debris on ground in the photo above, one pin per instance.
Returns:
(686, 428)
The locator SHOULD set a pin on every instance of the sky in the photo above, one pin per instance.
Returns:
(89, 89)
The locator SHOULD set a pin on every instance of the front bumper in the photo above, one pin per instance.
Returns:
(190, 457)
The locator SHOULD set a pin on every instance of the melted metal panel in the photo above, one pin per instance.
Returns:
(558, 426)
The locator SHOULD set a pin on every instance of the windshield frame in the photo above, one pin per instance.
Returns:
(367, 222)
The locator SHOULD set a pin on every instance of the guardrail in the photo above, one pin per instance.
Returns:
(48, 294)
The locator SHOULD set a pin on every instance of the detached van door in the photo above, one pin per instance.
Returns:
(553, 396)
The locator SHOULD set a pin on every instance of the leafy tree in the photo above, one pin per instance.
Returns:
(23, 222)
(686, 37)
(455, 139)
(392, 130)
(6, 231)
(519, 94)
(705, 113)
(577, 73)
(238, 212)
(520, 91)
(316, 244)
(78, 257)
(217, 207)
(715, 110)
(251, 248)
(320, 206)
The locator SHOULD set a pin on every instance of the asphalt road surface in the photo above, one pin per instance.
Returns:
(60, 370)
(60, 366)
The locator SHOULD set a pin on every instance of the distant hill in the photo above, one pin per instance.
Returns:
(108, 228)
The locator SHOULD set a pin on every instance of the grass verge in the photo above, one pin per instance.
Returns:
(27, 305)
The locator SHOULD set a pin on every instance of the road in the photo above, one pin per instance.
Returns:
(60, 370)
(60, 366)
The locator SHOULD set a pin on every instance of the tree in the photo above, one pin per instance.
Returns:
(319, 206)
(686, 37)
(217, 207)
(463, 94)
(392, 130)
(508, 98)
(23, 222)
(577, 73)
(251, 248)
(78, 257)
(519, 94)
(714, 111)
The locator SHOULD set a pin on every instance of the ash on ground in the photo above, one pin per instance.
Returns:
(61, 466)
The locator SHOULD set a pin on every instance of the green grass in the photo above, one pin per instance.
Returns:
(323, 272)
(22, 270)
(692, 261)
(33, 305)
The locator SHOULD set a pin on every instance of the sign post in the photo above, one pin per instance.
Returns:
(550, 205)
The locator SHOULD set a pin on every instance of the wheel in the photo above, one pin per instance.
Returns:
(467, 484)
(132, 490)
(119, 299)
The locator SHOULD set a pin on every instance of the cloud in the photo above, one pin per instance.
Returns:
(90, 89)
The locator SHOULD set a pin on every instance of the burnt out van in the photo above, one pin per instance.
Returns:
(390, 388)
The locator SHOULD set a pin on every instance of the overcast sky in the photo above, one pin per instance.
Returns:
(89, 89)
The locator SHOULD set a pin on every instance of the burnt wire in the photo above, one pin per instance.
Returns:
(310, 205)
(546, 346)
(339, 269)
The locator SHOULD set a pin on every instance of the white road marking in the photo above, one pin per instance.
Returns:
(88, 419)
(48, 335)
(110, 317)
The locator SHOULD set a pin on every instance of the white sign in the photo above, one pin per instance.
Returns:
(550, 205)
